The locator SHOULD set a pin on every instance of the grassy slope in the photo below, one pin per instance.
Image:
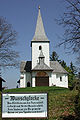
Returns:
(0, 105)
(61, 100)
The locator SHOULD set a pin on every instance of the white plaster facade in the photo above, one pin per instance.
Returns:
(54, 79)
(23, 80)
(36, 52)
(57, 82)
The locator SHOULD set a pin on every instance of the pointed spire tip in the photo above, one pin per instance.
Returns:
(39, 7)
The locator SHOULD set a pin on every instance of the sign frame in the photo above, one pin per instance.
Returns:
(21, 93)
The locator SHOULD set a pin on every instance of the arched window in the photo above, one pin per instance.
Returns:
(40, 47)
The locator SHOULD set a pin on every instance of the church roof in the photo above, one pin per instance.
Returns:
(25, 66)
(40, 32)
(57, 68)
(42, 67)
(54, 66)
(22, 66)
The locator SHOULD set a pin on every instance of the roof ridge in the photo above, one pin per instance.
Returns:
(42, 67)
(57, 67)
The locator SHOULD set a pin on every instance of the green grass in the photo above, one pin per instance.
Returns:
(37, 89)
(60, 101)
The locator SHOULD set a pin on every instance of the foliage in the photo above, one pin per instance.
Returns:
(71, 22)
(77, 105)
(72, 72)
(8, 56)
(71, 81)
(63, 63)
(73, 68)
(54, 56)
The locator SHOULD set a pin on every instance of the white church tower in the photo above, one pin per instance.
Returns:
(40, 42)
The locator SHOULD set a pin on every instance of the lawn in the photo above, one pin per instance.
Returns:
(60, 101)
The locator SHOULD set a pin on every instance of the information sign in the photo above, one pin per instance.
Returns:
(24, 105)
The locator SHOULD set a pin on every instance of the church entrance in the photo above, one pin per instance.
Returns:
(42, 79)
(28, 84)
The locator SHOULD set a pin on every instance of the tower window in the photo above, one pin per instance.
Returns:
(40, 47)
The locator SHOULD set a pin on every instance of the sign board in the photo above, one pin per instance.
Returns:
(24, 105)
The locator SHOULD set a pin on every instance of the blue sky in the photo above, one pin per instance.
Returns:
(22, 14)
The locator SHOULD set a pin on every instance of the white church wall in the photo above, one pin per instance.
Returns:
(23, 80)
(54, 79)
(28, 78)
(53, 82)
(63, 82)
(36, 52)
(50, 77)
(33, 82)
(33, 78)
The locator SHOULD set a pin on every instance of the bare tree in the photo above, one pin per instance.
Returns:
(8, 56)
(71, 22)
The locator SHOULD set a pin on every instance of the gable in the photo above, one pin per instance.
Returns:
(25, 66)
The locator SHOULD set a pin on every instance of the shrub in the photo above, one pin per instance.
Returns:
(77, 105)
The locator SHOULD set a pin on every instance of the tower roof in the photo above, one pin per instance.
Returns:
(40, 32)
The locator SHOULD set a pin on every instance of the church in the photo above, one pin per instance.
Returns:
(41, 71)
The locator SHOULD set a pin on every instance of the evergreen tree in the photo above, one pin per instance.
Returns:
(72, 67)
(54, 56)
(63, 63)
